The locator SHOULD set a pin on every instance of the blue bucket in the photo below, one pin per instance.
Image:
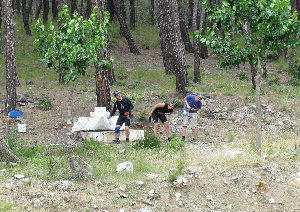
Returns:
(15, 114)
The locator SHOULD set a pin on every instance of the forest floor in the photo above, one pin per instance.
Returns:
(222, 170)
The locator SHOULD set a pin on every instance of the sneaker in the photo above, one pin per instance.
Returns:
(169, 139)
(183, 140)
(116, 141)
(194, 141)
(127, 140)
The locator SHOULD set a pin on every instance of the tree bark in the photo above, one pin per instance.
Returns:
(25, 13)
(253, 75)
(102, 81)
(38, 9)
(183, 29)
(18, 6)
(165, 34)
(45, 11)
(178, 52)
(203, 48)
(1, 18)
(6, 154)
(152, 9)
(11, 72)
(190, 13)
(88, 9)
(111, 9)
(54, 9)
(197, 76)
(124, 29)
(73, 6)
(81, 7)
(63, 70)
(132, 14)
(258, 107)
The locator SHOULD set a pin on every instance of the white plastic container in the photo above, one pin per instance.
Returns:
(21, 128)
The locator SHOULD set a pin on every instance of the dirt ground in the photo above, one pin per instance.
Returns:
(208, 190)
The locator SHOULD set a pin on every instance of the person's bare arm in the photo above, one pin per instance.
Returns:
(156, 106)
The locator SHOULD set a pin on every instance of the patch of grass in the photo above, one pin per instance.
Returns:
(150, 142)
(179, 168)
(143, 116)
(42, 116)
(242, 76)
(274, 80)
(45, 103)
(175, 144)
(6, 206)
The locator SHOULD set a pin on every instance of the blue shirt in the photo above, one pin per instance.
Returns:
(192, 103)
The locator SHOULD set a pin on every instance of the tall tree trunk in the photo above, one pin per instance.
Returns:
(102, 81)
(111, 9)
(166, 34)
(6, 154)
(1, 18)
(11, 72)
(63, 70)
(73, 6)
(54, 9)
(18, 6)
(81, 7)
(38, 9)
(197, 76)
(132, 14)
(152, 9)
(25, 13)
(253, 74)
(178, 52)
(203, 48)
(190, 13)
(124, 29)
(45, 11)
(258, 107)
(88, 9)
(183, 29)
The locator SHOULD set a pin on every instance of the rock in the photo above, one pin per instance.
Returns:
(296, 182)
(234, 153)
(122, 195)
(153, 195)
(128, 166)
(3, 170)
(178, 195)
(209, 197)
(181, 182)
(123, 187)
(63, 185)
(152, 176)
(19, 176)
(145, 210)
(271, 200)
(140, 183)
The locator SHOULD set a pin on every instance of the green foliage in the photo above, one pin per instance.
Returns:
(45, 103)
(179, 168)
(75, 45)
(6, 206)
(272, 27)
(242, 76)
(294, 71)
(274, 80)
(176, 143)
(143, 116)
(150, 142)
(121, 74)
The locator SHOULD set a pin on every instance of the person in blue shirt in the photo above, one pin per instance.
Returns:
(193, 103)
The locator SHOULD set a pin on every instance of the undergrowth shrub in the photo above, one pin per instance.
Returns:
(173, 175)
(242, 76)
(294, 71)
(143, 116)
(150, 142)
(121, 74)
(175, 144)
(274, 80)
(45, 103)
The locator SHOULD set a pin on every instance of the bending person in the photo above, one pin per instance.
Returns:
(158, 112)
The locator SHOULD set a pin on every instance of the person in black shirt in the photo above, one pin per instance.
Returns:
(124, 106)
(158, 112)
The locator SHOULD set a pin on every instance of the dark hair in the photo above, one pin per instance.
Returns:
(174, 103)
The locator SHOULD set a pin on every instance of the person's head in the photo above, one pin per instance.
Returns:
(199, 97)
(172, 105)
(118, 95)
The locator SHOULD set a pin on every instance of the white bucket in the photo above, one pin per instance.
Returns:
(22, 128)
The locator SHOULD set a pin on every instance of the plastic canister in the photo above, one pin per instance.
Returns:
(21, 128)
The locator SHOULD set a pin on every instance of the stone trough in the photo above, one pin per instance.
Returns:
(99, 128)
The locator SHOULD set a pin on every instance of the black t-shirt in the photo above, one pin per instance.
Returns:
(123, 106)
(164, 109)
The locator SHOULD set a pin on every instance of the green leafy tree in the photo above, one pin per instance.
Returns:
(75, 45)
(245, 31)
